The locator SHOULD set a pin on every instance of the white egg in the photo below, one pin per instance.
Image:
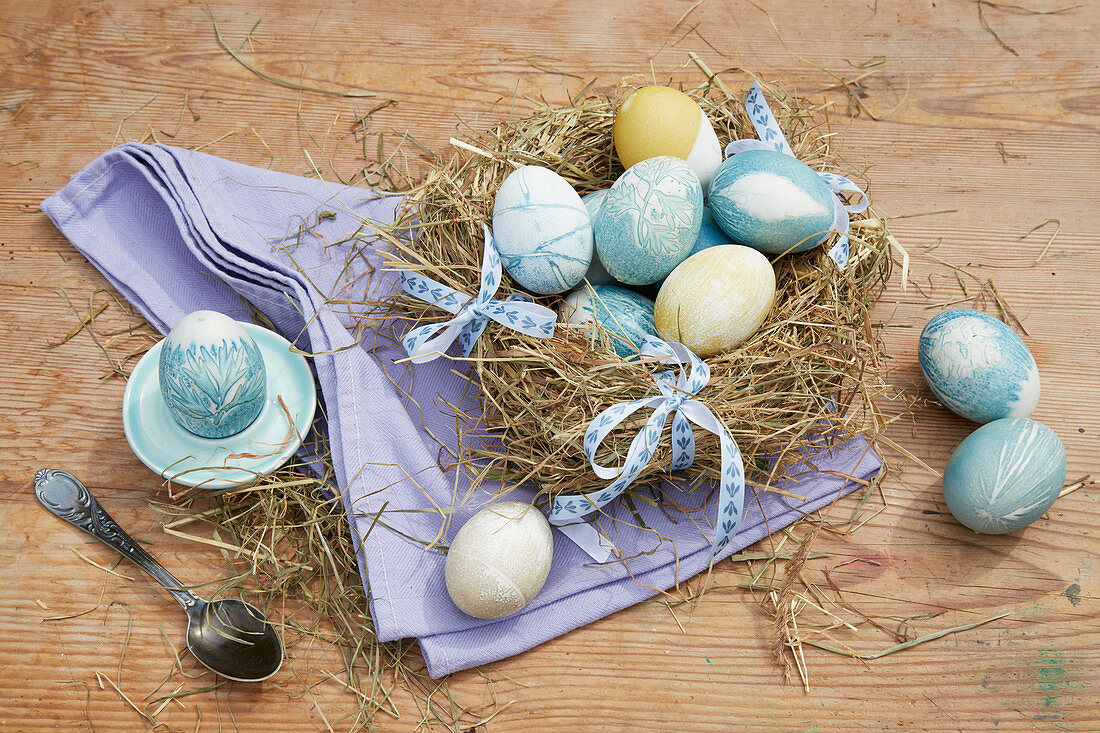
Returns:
(499, 560)
(542, 230)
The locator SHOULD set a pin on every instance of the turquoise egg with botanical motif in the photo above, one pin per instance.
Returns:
(212, 375)
(625, 315)
(1005, 475)
(649, 220)
(977, 366)
(542, 230)
(771, 202)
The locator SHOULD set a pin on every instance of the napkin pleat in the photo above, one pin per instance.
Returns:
(176, 231)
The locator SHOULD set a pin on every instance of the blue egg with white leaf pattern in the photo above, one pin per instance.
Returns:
(649, 220)
(977, 366)
(542, 230)
(1005, 475)
(771, 202)
(624, 314)
(212, 375)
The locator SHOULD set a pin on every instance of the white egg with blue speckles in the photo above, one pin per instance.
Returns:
(772, 202)
(542, 230)
(977, 366)
(1005, 475)
(597, 274)
(624, 314)
(649, 220)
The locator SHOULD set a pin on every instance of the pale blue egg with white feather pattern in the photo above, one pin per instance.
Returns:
(649, 220)
(1005, 475)
(542, 230)
(977, 366)
(772, 202)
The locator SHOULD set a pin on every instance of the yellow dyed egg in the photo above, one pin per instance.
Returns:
(716, 299)
(656, 121)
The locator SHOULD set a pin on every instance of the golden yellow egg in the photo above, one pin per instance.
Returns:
(716, 299)
(657, 120)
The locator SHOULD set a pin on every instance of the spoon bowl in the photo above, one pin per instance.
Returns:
(234, 639)
(229, 637)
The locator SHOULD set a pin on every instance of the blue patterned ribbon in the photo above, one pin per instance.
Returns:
(771, 138)
(429, 342)
(678, 399)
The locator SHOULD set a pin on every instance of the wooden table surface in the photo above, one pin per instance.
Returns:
(987, 111)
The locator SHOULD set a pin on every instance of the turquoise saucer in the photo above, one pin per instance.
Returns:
(185, 458)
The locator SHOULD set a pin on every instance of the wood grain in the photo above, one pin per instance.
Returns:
(1004, 141)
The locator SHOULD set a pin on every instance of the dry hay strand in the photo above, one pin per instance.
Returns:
(808, 378)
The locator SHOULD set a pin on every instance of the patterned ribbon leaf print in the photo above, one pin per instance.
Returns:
(677, 397)
(429, 342)
(771, 138)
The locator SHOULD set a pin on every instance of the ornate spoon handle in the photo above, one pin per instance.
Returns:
(63, 495)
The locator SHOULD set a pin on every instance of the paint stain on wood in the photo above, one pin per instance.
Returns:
(1054, 678)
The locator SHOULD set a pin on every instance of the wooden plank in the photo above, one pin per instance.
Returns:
(1005, 140)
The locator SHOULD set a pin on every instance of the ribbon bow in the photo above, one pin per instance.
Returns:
(678, 398)
(771, 138)
(429, 342)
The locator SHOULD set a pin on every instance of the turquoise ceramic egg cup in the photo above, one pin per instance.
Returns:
(190, 460)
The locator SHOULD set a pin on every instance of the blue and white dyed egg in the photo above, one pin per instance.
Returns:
(771, 202)
(626, 315)
(597, 274)
(212, 375)
(977, 366)
(649, 220)
(542, 230)
(1005, 475)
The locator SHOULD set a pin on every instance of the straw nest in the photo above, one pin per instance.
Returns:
(810, 370)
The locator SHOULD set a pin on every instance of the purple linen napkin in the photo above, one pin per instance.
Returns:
(176, 231)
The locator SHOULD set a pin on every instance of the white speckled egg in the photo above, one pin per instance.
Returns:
(597, 274)
(657, 120)
(649, 220)
(1005, 475)
(499, 560)
(716, 299)
(977, 366)
(626, 315)
(542, 230)
(772, 202)
(212, 375)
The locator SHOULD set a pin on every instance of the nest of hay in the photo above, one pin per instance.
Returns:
(810, 372)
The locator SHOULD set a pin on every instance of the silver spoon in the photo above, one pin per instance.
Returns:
(228, 636)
